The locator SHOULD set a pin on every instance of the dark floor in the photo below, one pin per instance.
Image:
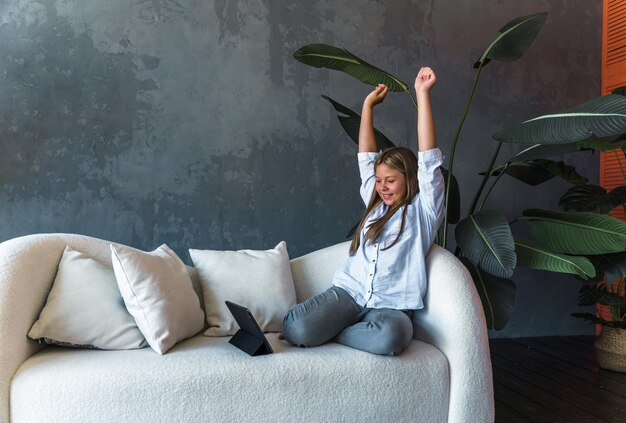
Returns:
(554, 379)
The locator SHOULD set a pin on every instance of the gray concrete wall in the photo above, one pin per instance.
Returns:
(189, 122)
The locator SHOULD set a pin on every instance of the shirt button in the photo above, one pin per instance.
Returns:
(374, 261)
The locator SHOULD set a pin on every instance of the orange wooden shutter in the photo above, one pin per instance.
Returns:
(613, 163)
(613, 45)
(612, 169)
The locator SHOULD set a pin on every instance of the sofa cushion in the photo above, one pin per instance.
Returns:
(85, 308)
(258, 280)
(205, 379)
(159, 294)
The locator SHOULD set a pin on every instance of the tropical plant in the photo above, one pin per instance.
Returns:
(592, 242)
(565, 242)
(612, 296)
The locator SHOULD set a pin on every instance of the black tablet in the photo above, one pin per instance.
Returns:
(249, 338)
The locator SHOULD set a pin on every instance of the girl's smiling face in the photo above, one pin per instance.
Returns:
(390, 185)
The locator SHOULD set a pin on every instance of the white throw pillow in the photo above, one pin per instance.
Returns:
(85, 308)
(158, 292)
(258, 280)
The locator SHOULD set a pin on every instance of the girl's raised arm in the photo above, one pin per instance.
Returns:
(367, 139)
(426, 137)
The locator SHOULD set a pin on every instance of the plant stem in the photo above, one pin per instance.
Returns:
(484, 181)
(452, 152)
(482, 204)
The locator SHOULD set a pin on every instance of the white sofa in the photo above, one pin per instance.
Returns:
(445, 374)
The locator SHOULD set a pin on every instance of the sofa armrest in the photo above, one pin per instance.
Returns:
(453, 321)
(28, 266)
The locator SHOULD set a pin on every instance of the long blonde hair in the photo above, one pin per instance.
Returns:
(403, 160)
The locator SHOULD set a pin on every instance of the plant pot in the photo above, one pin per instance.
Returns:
(611, 349)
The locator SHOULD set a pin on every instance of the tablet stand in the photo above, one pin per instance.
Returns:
(249, 343)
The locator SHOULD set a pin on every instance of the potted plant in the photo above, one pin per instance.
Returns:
(610, 299)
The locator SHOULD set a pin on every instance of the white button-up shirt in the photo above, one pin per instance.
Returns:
(396, 277)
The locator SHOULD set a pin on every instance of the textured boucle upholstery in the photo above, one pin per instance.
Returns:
(453, 321)
(206, 379)
(445, 375)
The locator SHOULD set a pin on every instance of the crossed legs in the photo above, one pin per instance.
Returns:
(334, 316)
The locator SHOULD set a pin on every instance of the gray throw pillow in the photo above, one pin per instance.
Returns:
(85, 309)
(258, 280)
(158, 292)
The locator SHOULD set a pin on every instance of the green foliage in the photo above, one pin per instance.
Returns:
(610, 267)
(536, 256)
(603, 144)
(538, 151)
(327, 56)
(611, 295)
(601, 117)
(538, 171)
(599, 294)
(515, 38)
(578, 233)
(496, 294)
(351, 123)
(486, 240)
(527, 172)
(592, 198)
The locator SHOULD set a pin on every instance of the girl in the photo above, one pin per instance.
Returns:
(381, 282)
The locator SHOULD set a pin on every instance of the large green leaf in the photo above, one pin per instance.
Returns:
(515, 38)
(603, 144)
(330, 57)
(539, 171)
(592, 198)
(540, 151)
(528, 172)
(341, 108)
(496, 294)
(577, 233)
(533, 255)
(352, 122)
(601, 117)
(562, 170)
(485, 238)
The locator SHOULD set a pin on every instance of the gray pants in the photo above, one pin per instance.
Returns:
(333, 315)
